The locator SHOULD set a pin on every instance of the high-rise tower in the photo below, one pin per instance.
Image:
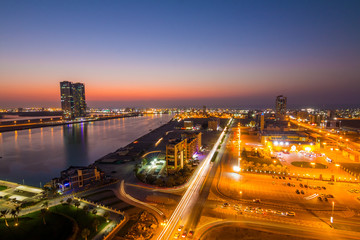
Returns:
(73, 100)
(280, 107)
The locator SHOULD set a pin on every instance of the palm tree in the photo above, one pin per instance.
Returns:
(94, 211)
(95, 224)
(77, 204)
(69, 200)
(43, 213)
(86, 208)
(3, 214)
(17, 209)
(85, 233)
(106, 215)
(13, 213)
(45, 204)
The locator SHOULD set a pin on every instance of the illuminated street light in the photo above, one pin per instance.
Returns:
(236, 169)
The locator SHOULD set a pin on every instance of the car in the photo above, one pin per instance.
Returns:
(288, 184)
(306, 186)
(293, 185)
(289, 178)
(302, 192)
(310, 187)
(329, 196)
(326, 200)
(297, 191)
(256, 200)
(358, 198)
(269, 210)
(320, 199)
(278, 212)
(291, 214)
(273, 176)
(180, 228)
(225, 205)
(301, 185)
(190, 234)
(318, 187)
(284, 178)
(184, 234)
(177, 235)
(323, 187)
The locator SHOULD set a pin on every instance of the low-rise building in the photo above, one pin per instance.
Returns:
(77, 177)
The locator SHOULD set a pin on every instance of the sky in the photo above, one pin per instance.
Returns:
(177, 53)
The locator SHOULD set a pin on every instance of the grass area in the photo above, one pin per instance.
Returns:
(57, 225)
(2, 187)
(214, 156)
(31, 227)
(308, 165)
(352, 167)
(83, 219)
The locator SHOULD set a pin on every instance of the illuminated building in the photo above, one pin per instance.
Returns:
(213, 124)
(78, 177)
(193, 143)
(73, 100)
(280, 110)
(175, 154)
(188, 124)
(262, 122)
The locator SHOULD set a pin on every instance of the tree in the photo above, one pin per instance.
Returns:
(3, 214)
(13, 213)
(85, 233)
(45, 204)
(17, 209)
(69, 200)
(106, 215)
(170, 182)
(77, 204)
(43, 213)
(86, 208)
(159, 182)
(96, 224)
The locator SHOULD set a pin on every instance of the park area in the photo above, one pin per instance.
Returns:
(64, 221)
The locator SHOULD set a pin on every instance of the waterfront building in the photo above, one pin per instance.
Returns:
(176, 152)
(73, 102)
(77, 177)
(280, 107)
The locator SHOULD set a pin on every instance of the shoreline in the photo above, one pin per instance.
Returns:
(50, 124)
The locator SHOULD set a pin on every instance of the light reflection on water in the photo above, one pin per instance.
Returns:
(39, 154)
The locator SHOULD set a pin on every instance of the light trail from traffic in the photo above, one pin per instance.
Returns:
(191, 191)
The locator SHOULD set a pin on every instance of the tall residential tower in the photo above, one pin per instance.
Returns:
(73, 100)
(280, 112)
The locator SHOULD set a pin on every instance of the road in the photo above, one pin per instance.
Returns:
(192, 193)
(312, 216)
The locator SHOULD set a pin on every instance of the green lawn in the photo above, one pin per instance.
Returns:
(57, 226)
(308, 165)
(3, 187)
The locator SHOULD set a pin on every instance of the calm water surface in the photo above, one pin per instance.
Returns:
(37, 155)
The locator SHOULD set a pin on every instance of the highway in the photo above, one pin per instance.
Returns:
(191, 195)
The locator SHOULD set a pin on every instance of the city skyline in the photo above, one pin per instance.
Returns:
(179, 54)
